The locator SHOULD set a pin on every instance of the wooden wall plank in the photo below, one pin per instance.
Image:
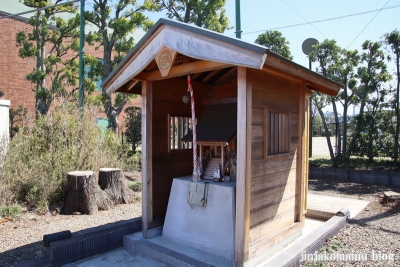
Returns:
(274, 178)
(281, 221)
(278, 164)
(147, 163)
(274, 84)
(273, 239)
(269, 205)
(258, 116)
(274, 101)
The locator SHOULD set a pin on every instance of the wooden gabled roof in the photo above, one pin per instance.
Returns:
(218, 124)
(205, 53)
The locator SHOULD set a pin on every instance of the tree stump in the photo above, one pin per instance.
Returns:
(110, 180)
(84, 194)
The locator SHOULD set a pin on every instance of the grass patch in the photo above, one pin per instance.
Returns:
(135, 186)
(329, 248)
(11, 211)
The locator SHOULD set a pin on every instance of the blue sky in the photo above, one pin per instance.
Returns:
(260, 15)
(350, 32)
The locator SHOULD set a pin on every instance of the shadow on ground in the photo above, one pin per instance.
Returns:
(21, 254)
(371, 192)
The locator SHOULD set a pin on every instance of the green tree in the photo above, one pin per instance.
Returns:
(339, 65)
(133, 121)
(375, 124)
(17, 117)
(392, 39)
(209, 14)
(275, 42)
(372, 75)
(47, 43)
(115, 23)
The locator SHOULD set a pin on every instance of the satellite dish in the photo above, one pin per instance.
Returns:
(307, 45)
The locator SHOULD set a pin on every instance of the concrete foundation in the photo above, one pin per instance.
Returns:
(211, 228)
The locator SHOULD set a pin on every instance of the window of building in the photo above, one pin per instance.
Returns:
(277, 132)
(98, 80)
(179, 127)
(103, 124)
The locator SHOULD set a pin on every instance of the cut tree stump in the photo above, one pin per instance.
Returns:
(390, 196)
(111, 181)
(84, 194)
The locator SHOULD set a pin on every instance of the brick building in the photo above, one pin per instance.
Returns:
(14, 69)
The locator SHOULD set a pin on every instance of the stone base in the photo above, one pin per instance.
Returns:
(210, 228)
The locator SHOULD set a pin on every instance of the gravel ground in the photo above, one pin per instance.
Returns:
(374, 230)
(374, 234)
(22, 239)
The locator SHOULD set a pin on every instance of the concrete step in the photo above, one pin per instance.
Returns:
(171, 254)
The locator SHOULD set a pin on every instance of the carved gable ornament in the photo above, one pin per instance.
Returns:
(165, 59)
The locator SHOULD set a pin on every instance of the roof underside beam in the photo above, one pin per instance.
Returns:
(187, 43)
(315, 81)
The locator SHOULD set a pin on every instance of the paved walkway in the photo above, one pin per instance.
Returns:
(334, 204)
(121, 257)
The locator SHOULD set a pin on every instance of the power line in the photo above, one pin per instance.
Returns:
(38, 9)
(323, 20)
(305, 19)
(367, 24)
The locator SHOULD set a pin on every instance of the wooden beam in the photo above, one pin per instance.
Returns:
(131, 84)
(147, 155)
(151, 66)
(195, 75)
(219, 101)
(185, 69)
(223, 77)
(243, 179)
(322, 84)
(284, 75)
(209, 76)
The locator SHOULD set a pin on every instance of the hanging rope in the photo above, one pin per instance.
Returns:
(196, 170)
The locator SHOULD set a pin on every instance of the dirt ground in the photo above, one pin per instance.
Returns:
(372, 238)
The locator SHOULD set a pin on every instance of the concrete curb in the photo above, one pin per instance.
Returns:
(380, 177)
(293, 255)
(86, 243)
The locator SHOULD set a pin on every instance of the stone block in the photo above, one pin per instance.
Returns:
(210, 228)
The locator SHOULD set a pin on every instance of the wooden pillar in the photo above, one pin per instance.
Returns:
(222, 160)
(242, 226)
(307, 132)
(302, 155)
(147, 155)
(201, 159)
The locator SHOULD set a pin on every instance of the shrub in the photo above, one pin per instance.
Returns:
(135, 186)
(11, 211)
(39, 157)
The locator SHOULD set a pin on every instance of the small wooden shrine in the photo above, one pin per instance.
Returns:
(264, 99)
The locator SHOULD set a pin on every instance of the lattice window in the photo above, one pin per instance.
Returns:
(277, 132)
(178, 60)
(179, 127)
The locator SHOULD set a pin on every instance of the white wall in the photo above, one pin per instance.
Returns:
(4, 119)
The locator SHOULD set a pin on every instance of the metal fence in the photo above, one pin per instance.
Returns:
(382, 147)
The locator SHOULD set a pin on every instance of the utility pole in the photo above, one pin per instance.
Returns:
(307, 48)
(238, 27)
(81, 54)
